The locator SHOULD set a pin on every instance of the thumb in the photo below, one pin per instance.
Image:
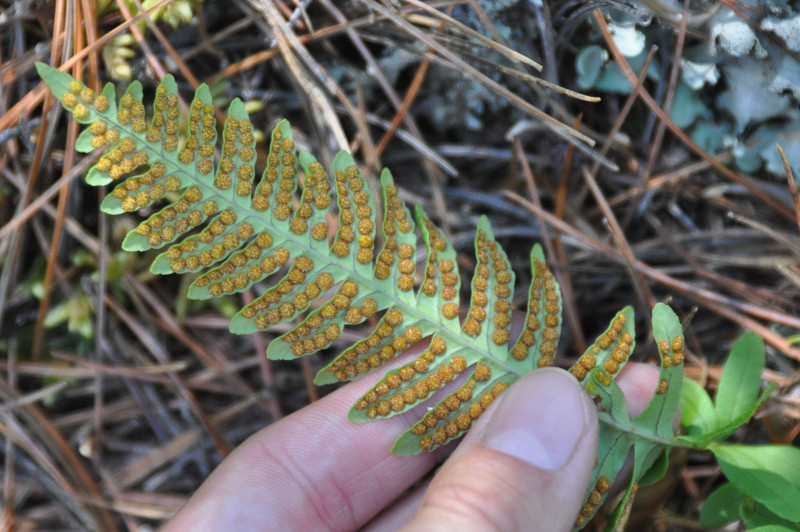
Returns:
(525, 465)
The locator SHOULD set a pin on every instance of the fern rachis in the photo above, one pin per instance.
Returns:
(233, 230)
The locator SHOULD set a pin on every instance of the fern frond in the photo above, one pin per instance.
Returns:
(218, 220)
(649, 433)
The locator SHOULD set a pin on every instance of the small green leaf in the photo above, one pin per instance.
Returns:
(770, 474)
(722, 506)
(757, 517)
(656, 471)
(697, 411)
(741, 378)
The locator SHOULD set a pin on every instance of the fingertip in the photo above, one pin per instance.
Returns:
(524, 466)
(638, 382)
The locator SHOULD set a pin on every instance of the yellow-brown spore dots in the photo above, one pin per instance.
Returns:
(465, 392)
(610, 366)
(81, 112)
(69, 100)
(663, 347)
(519, 352)
(397, 402)
(101, 103)
(450, 310)
(426, 443)
(421, 389)
(677, 344)
(678, 353)
(579, 371)
(499, 388)
(482, 373)
(438, 346)
(602, 377)
(413, 334)
(458, 364)
(546, 361)
(472, 327)
(406, 373)
(475, 410)
(500, 336)
(393, 317)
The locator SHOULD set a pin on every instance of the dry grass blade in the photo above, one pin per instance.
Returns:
(31, 430)
(619, 238)
(792, 184)
(293, 51)
(512, 54)
(140, 468)
(32, 397)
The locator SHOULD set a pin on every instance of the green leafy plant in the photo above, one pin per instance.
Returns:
(764, 480)
(232, 230)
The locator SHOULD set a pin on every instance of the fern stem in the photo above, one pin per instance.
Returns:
(606, 419)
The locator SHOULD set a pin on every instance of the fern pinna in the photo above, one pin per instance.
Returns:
(233, 230)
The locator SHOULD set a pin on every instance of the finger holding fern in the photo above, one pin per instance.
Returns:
(313, 470)
(209, 215)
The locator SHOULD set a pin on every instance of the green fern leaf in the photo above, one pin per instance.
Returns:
(650, 433)
(232, 230)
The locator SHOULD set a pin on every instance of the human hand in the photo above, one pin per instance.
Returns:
(524, 465)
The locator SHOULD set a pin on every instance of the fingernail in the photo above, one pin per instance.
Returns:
(540, 419)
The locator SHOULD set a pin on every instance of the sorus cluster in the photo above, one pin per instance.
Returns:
(316, 332)
(593, 501)
(201, 241)
(239, 270)
(164, 126)
(382, 399)
(438, 244)
(79, 98)
(588, 360)
(222, 236)
(355, 216)
(381, 345)
(543, 292)
(452, 416)
(361, 358)
(125, 157)
(290, 295)
(316, 196)
(678, 353)
(619, 354)
(288, 181)
(173, 221)
(199, 147)
(133, 193)
(503, 291)
(266, 189)
(396, 219)
(585, 363)
(139, 191)
(419, 366)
